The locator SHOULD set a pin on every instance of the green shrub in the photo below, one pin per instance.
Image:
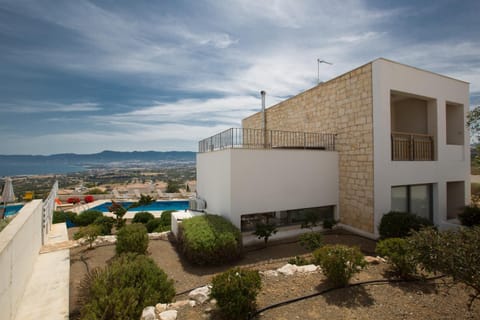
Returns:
(62, 216)
(475, 188)
(166, 218)
(105, 223)
(339, 263)
(235, 291)
(132, 238)
(400, 224)
(3, 223)
(153, 224)
(160, 224)
(328, 224)
(311, 240)
(454, 253)
(265, 231)
(142, 217)
(87, 217)
(209, 239)
(299, 261)
(470, 216)
(399, 255)
(90, 233)
(156, 225)
(121, 290)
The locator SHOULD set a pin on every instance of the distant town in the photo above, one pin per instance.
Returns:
(102, 179)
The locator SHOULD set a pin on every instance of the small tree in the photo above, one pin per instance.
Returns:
(311, 240)
(311, 220)
(90, 233)
(265, 231)
(454, 253)
(119, 211)
(144, 200)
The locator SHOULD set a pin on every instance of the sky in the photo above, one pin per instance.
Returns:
(86, 76)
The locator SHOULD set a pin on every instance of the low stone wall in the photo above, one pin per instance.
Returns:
(20, 243)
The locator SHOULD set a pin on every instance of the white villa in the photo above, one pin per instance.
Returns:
(384, 136)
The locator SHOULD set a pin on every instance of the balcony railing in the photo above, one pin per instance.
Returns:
(244, 138)
(412, 147)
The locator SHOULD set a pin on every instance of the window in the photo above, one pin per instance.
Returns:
(455, 124)
(415, 199)
(455, 198)
(285, 218)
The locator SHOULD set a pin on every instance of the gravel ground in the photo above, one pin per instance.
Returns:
(422, 300)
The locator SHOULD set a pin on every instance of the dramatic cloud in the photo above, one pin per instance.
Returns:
(83, 76)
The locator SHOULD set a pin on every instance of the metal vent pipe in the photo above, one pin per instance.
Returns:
(264, 119)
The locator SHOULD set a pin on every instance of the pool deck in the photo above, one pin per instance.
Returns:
(47, 293)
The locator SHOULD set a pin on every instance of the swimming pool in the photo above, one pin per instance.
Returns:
(155, 206)
(11, 210)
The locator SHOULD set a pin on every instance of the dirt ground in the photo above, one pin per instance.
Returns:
(414, 300)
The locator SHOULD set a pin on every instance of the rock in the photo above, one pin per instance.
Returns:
(178, 304)
(168, 315)
(374, 260)
(160, 307)
(307, 268)
(148, 313)
(213, 301)
(200, 295)
(192, 303)
(158, 235)
(288, 269)
(208, 309)
(270, 273)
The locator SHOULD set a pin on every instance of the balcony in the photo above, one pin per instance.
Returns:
(412, 147)
(244, 138)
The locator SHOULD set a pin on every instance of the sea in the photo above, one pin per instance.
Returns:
(19, 169)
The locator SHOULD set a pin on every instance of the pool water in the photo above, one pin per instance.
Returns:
(155, 206)
(11, 210)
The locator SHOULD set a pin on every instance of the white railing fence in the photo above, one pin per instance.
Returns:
(47, 215)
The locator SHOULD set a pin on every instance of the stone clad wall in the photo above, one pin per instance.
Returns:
(342, 106)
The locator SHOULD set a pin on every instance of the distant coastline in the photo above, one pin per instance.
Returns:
(16, 165)
(11, 169)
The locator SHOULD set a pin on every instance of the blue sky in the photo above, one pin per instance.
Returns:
(86, 76)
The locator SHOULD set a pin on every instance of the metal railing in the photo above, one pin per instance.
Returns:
(244, 138)
(412, 147)
(47, 211)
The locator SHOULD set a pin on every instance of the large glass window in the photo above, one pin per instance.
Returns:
(286, 218)
(415, 199)
(399, 199)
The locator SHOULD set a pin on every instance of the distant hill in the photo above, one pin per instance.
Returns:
(71, 162)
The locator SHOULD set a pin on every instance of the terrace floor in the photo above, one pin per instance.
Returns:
(47, 293)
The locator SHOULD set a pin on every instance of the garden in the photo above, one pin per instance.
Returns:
(419, 272)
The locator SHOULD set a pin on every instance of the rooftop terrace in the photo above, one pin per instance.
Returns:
(245, 138)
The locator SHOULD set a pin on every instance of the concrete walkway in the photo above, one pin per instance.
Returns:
(47, 293)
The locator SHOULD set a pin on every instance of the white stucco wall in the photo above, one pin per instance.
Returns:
(20, 244)
(453, 161)
(243, 181)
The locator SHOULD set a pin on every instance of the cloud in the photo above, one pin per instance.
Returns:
(160, 73)
(47, 107)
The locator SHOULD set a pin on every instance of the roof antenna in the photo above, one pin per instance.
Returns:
(318, 67)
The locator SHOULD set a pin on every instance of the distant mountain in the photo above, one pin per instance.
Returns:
(70, 162)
